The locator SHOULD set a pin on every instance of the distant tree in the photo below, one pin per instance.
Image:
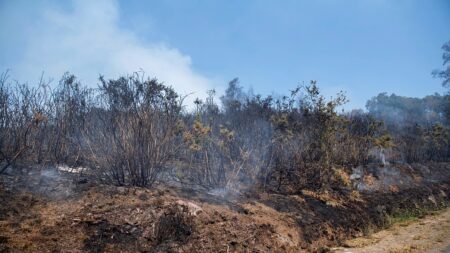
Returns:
(397, 110)
(234, 96)
(444, 74)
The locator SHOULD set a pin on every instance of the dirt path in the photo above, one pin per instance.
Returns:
(430, 234)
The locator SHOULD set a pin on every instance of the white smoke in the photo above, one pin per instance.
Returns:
(87, 40)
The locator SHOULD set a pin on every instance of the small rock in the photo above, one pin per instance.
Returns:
(194, 209)
(121, 190)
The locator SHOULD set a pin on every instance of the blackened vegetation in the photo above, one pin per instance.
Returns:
(324, 225)
(131, 131)
(102, 233)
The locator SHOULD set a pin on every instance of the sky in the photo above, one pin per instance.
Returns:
(362, 47)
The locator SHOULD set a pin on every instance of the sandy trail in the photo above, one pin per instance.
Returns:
(430, 234)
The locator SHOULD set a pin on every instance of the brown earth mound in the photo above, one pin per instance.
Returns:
(100, 218)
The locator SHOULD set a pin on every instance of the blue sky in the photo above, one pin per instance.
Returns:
(361, 47)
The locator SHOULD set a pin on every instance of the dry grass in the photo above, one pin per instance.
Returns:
(361, 242)
(405, 249)
(328, 198)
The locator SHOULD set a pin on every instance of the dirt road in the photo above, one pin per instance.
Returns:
(430, 234)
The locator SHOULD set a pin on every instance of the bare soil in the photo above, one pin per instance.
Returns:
(48, 211)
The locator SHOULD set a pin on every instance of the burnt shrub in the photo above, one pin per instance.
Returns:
(132, 134)
(175, 224)
(20, 119)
